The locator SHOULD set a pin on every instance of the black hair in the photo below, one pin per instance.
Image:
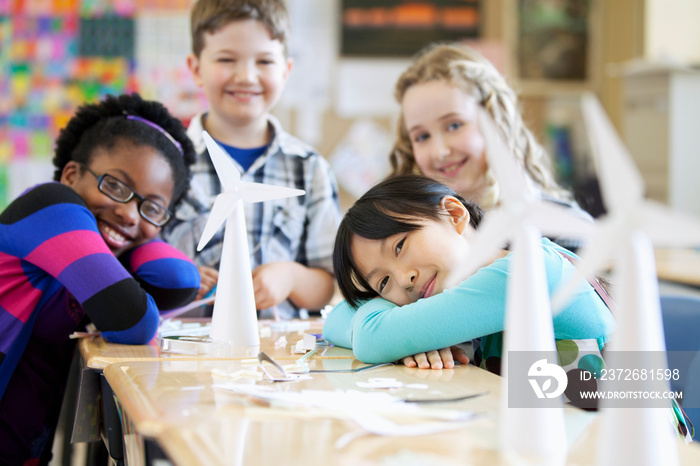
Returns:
(385, 210)
(103, 125)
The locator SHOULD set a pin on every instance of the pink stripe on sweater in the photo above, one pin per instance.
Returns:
(17, 295)
(153, 251)
(57, 253)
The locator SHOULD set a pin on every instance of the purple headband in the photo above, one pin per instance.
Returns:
(155, 126)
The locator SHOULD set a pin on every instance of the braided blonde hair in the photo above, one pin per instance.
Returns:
(462, 67)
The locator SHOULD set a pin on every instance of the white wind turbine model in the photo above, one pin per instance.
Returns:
(520, 217)
(625, 238)
(234, 318)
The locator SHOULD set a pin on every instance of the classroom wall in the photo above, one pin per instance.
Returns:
(672, 31)
(341, 105)
(58, 54)
(618, 38)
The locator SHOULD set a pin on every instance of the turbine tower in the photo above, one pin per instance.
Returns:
(234, 319)
(520, 217)
(625, 239)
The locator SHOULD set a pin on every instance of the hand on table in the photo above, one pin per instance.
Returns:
(437, 359)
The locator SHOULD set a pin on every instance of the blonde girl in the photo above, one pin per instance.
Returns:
(437, 129)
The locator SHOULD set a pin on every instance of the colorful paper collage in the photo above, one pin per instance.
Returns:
(58, 54)
(47, 79)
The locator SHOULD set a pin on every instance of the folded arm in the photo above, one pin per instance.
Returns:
(379, 331)
(54, 233)
(164, 272)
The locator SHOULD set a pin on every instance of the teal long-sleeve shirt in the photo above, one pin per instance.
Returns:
(379, 331)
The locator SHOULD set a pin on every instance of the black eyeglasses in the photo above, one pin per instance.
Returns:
(119, 191)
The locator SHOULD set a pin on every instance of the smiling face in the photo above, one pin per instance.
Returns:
(145, 170)
(242, 71)
(441, 121)
(406, 267)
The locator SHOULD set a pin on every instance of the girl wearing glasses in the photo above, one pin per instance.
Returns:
(85, 248)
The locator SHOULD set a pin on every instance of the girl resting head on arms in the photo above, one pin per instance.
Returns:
(85, 249)
(369, 256)
(438, 135)
(397, 252)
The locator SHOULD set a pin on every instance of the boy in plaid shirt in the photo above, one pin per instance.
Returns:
(240, 60)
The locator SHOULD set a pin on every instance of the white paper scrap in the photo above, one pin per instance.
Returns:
(362, 407)
(380, 382)
(309, 342)
(281, 342)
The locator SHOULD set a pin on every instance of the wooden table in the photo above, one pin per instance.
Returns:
(678, 265)
(179, 404)
(196, 423)
(98, 353)
(175, 400)
(161, 395)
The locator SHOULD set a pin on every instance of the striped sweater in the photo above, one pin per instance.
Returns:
(56, 272)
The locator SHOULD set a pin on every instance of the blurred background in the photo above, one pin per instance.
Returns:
(640, 57)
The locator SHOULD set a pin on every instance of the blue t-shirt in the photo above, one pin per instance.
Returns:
(244, 157)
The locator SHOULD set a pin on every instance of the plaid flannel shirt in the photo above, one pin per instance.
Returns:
(300, 229)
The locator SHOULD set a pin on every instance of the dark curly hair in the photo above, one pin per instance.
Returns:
(104, 125)
(385, 210)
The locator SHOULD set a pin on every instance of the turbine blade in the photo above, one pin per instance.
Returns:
(259, 192)
(556, 220)
(225, 168)
(224, 204)
(668, 228)
(597, 254)
(513, 182)
(491, 236)
(620, 181)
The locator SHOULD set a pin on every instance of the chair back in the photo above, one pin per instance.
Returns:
(681, 320)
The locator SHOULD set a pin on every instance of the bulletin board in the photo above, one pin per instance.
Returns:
(58, 54)
(554, 45)
(400, 28)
